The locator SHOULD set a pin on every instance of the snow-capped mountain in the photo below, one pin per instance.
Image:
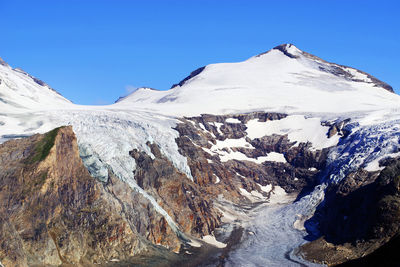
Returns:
(20, 91)
(225, 150)
(282, 79)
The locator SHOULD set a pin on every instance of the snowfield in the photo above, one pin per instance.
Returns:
(298, 86)
(297, 127)
(268, 82)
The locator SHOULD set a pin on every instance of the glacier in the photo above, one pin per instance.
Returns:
(276, 236)
(305, 88)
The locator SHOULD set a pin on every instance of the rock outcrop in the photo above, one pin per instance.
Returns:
(333, 68)
(358, 216)
(190, 203)
(298, 169)
(191, 75)
(53, 212)
(186, 201)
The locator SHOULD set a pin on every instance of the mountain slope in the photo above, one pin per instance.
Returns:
(281, 125)
(19, 91)
(282, 79)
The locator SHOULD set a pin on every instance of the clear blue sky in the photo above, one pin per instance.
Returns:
(91, 51)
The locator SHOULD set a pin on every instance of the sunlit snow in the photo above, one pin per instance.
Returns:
(270, 82)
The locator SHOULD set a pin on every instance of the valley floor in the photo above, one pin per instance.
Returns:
(267, 233)
(272, 235)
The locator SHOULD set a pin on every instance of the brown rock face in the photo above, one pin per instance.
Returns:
(52, 212)
(187, 202)
(190, 203)
(359, 215)
(300, 170)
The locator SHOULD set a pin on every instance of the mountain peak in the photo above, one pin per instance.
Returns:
(348, 73)
(21, 91)
(190, 76)
(137, 91)
(284, 78)
(289, 50)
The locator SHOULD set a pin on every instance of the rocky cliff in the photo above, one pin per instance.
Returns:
(156, 179)
(358, 216)
(191, 203)
(54, 213)
(203, 140)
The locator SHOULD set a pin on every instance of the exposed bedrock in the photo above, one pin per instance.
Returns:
(53, 212)
(358, 216)
(187, 202)
(190, 203)
(298, 168)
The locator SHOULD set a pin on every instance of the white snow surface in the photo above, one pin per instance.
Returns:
(274, 239)
(270, 82)
(210, 239)
(217, 180)
(298, 129)
(253, 196)
(19, 92)
(232, 120)
(265, 188)
(224, 150)
(276, 157)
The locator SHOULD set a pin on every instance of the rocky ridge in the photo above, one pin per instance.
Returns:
(213, 177)
(164, 183)
(299, 168)
(54, 213)
(336, 69)
(358, 216)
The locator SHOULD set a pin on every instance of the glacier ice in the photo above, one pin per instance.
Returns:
(276, 235)
(271, 82)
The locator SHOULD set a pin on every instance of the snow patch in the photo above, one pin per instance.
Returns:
(236, 155)
(276, 157)
(253, 196)
(218, 125)
(194, 243)
(358, 75)
(229, 143)
(279, 196)
(217, 179)
(202, 126)
(224, 150)
(210, 239)
(298, 128)
(232, 120)
(266, 188)
(374, 164)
